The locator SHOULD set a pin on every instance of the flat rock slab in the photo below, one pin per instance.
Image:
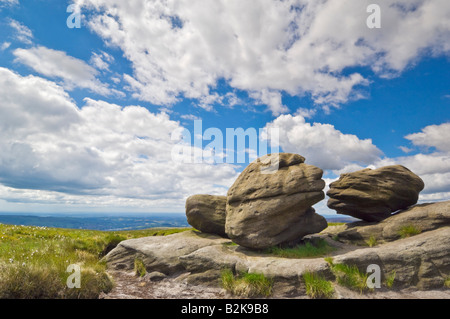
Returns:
(423, 218)
(160, 253)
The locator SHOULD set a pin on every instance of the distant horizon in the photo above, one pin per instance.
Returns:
(108, 222)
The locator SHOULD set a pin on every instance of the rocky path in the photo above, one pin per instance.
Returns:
(128, 286)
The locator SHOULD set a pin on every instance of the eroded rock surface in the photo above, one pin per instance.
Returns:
(421, 218)
(207, 213)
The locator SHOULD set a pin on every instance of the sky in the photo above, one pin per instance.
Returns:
(96, 95)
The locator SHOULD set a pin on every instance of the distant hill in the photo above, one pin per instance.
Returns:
(113, 222)
(98, 222)
(339, 219)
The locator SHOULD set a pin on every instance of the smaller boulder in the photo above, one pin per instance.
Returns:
(373, 195)
(207, 213)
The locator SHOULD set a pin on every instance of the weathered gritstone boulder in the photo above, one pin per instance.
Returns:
(373, 195)
(207, 213)
(422, 218)
(271, 207)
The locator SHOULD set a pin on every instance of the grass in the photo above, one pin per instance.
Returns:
(372, 241)
(34, 260)
(319, 248)
(389, 281)
(246, 284)
(447, 282)
(408, 231)
(335, 224)
(317, 287)
(139, 268)
(349, 276)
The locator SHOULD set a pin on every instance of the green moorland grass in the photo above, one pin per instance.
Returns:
(246, 284)
(408, 231)
(317, 287)
(318, 248)
(34, 260)
(349, 276)
(390, 279)
(139, 268)
(335, 224)
(372, 241)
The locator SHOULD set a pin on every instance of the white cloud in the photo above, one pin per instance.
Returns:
(53, 152)
(183, 48)
(22, 32)
(101, 60)
(437, 136)
(8, 3)
(322, 144)
(190, 117)
(405, 149)
(4, 46)
(73, 72)
(270, 98)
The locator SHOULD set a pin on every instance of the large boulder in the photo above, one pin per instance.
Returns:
(268, 207)
(373, 195)
(207, 213)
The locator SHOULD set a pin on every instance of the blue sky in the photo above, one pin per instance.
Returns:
(89, 115)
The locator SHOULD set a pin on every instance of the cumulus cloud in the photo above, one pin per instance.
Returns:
(52, 151)
(436, 136)
(73, 72)
(183, 48)
(322, 144)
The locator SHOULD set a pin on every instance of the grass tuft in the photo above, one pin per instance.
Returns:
(319, 248)
(447, 282)
(349, 276)
(389, 281)
(246, 284)
(317, 287)
(139, 268)
(372, 241)
(408, 231)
